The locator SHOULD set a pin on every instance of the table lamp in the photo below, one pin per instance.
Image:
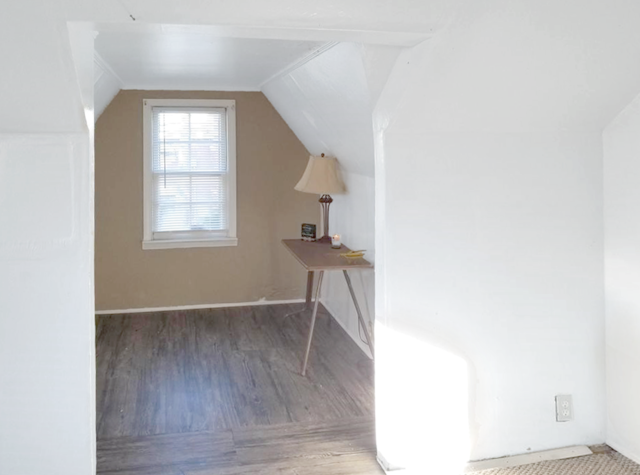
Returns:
(321, 177)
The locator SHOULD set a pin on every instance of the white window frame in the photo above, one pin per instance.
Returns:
(186, 239)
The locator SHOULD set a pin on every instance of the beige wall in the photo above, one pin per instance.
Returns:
(270, 160)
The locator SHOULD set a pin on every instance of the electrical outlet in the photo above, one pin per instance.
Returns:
(564, 408)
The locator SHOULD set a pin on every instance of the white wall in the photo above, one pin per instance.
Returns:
(327, 102)
(493, 250)
(47, 395)
(47, 401)
(622, 271)
(489, 227)
(490, 232)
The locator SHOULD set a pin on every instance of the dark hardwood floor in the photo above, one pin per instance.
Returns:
(219, 392)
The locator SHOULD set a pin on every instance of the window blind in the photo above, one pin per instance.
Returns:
(189, 170)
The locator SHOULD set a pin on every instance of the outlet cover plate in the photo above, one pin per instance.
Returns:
(564, 408)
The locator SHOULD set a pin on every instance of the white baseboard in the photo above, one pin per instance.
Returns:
(197, 307)
(525, 459)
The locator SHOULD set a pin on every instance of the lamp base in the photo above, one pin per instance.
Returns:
(325, 202)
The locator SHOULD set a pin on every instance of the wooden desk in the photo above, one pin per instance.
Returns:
(320, 257)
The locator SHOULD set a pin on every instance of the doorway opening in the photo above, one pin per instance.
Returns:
(198, 366)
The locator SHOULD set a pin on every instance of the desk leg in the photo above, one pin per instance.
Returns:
(307, 302)
(313, 322)
(360, 317)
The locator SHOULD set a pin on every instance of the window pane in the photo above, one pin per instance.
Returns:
(206, 126)
(189, 141)
(189, 166)
(190, 217)
(191, 195)
(208, 216)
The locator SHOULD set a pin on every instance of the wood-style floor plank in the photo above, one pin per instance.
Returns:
(304, 441)
(348, 464)
(218, 369)
(169, 451)
(170, 381)
(335, 447)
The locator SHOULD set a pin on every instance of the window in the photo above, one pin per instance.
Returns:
(189, 173)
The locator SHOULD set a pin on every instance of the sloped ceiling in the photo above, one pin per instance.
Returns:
(106, 85)
(196, 59)
(524, 65)
(328, 102)
(188, 58)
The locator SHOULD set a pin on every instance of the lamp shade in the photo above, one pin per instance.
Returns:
(321, 177)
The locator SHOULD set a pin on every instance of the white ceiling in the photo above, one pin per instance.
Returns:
(197, 60)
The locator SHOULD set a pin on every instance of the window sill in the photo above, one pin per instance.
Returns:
(188, 243)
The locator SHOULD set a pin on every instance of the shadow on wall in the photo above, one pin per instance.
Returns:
(422, 416)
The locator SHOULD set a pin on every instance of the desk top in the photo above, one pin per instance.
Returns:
(321, 256)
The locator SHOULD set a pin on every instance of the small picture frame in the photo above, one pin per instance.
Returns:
(308, 232)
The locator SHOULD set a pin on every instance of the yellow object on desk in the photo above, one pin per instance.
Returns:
(353, 254)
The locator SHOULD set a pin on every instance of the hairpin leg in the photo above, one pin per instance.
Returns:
(313, 322)
(307, 303)
(360, 317)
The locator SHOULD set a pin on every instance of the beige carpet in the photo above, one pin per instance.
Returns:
(604, 461)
